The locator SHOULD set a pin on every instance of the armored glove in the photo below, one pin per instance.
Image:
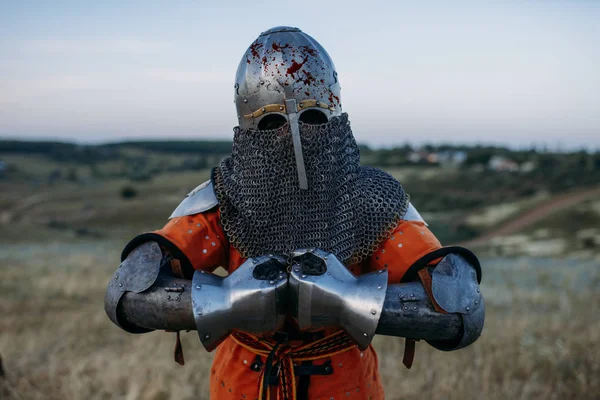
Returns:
(325, 294)
(143, 296)
(447, 310)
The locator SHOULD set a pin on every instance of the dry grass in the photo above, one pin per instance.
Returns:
(541, 339)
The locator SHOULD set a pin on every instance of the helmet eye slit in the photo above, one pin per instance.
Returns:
(271, 121)
(313, 117)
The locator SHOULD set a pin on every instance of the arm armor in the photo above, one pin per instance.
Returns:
(409, 312)
(366, 305)
(143, 296)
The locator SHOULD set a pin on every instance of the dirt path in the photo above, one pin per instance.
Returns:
(536, 214)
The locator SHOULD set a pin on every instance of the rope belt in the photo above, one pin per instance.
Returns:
(282, 356)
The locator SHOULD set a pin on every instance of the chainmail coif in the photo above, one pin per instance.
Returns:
(347, 210)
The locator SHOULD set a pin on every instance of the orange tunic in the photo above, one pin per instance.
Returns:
(202, 241)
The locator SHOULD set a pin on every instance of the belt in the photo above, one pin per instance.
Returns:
(281, 358)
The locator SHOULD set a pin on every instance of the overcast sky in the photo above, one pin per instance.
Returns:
(515, 73)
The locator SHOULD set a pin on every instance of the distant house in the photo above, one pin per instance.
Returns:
(442, 157)
(499, 163)
(528, 166)
(451, 157)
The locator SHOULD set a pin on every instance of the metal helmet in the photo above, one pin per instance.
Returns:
(286, 76)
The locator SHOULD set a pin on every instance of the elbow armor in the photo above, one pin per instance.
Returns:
(449, 316)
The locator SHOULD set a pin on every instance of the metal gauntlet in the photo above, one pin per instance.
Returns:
(251, 299)
(143, 296)
(325, 294)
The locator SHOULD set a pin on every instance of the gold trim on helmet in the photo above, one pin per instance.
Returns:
(303, 105)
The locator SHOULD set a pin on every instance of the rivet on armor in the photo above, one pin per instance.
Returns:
(415, 308)
(405, 308)
(401, 296)
(476, 302)
(422, 233)
(199, 287)
(264, 110)
(318, 103)
(272, 282)
(169, 297)
(365, 335)
(245, 362)
(198, 224)
(328, 273)
(374, 312)
(467, 308)
(199, 312)
(379, 287)
(245, 100)
(206, 337)
(402, 233)
(205, 251)
(190, 231)
(303, 276)
(262, 82)
(213, 243)
(206, 237)
(120, 285)
(399, 244)
(393, 237)
(477, 290)
(280, 108)
(116, 276)
(301, 105)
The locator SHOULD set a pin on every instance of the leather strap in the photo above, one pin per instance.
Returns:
(176, 268)
(409, 353)
(426, 281)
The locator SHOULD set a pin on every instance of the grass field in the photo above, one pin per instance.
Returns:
(541, 339)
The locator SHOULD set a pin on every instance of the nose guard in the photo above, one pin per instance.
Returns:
(243, 300)
(329, 295)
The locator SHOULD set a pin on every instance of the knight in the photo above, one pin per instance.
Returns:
(321, 252)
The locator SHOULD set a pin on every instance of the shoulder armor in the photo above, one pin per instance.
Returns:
(413, 215)
(137, 273)
(201, 199)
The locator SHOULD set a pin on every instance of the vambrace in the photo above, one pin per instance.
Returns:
(143, 296)
(454, 322)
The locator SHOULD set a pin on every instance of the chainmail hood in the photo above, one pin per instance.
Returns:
(347, 210)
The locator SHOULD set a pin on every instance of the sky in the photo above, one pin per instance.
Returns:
(516, 73)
